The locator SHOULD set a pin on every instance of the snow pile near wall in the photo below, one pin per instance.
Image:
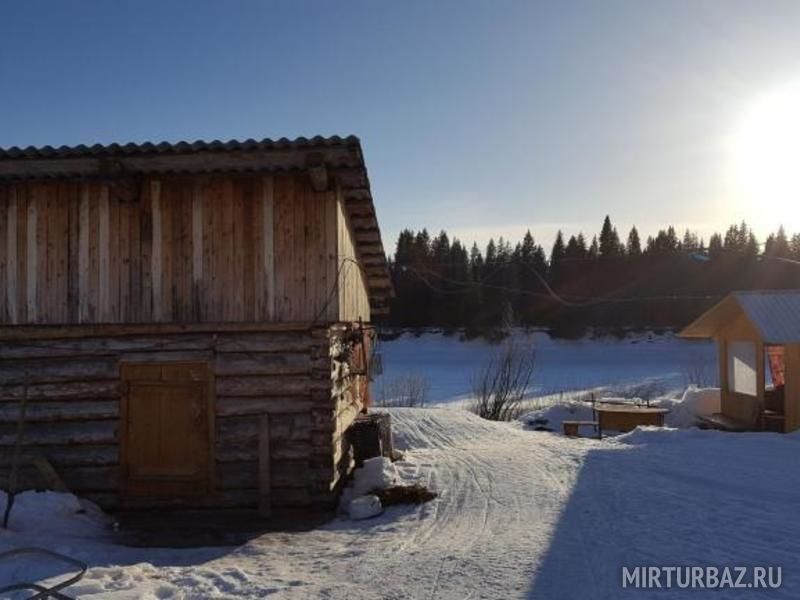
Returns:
(364, 507)
(356, 500)
(376, 474)
(695, 402)
(56, 513)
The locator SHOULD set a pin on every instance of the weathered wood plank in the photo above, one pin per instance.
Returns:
(136, 310)
(45, 270)
(156, 258)
(264, 467)
(237, 407)
(123, 313)
(208, 303)
(299, 295)
(227, 269)
(52, 371)
(237, 290)
(243, 450)
(76, 479)
(22, 253)
(240, 364)
(4, 316)
(248, 226)
(47, 434)
(197, 297)
(263, 386)
(167, 251)
(11, 257)
(147, 309)
(114, 262)
(68, 456)
(32, 259)
(261, 475)
(83, 255)
(94, 253)
(104, 259)
(268, 215)
(26, 333)
(283, 428)
(62, 391)
(72, 198)
(54, 412)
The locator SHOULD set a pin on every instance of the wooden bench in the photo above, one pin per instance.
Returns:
(571, 427)
(723, 422)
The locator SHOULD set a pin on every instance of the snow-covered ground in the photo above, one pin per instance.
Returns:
(448, 364)
(520, 514)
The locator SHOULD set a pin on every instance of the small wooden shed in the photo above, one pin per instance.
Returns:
(188, 324)
(758, 336)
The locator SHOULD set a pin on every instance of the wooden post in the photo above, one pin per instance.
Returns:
(264, 475)
(17, 456)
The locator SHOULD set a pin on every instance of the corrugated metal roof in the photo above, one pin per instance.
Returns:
(775, 314)
(183, 147)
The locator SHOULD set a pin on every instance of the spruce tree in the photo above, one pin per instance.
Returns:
(634, 246)
(609, 240)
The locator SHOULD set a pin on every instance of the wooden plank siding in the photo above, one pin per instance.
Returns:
(353, 298)
(204, 249)
(74, 396)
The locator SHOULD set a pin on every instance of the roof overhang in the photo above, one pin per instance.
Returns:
(325, 160)
(710, 322)
(774, 316)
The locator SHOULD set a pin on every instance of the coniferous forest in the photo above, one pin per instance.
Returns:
(608, 281)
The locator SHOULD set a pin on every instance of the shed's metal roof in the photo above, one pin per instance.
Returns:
(342, 158)
(775, 314)
(15, 152)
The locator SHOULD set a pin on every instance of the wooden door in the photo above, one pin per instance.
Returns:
(166, 430)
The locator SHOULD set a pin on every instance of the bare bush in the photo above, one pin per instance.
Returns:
(410, 391)
(500, 386)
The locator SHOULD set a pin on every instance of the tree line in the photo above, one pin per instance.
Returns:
(664, 281)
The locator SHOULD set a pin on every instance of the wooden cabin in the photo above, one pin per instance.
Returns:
(758, 335)
(187, 324)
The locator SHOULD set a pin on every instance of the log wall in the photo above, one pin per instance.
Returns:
(203, 249)
(73, 389)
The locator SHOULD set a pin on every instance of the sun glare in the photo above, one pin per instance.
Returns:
(767, 148)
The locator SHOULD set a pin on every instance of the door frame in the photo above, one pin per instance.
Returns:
(124, 413)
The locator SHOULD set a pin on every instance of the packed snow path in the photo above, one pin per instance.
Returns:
(520, 515)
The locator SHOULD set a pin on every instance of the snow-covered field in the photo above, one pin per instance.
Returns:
(663, 363)
(520, 514)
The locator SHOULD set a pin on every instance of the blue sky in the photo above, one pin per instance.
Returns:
(484, 118)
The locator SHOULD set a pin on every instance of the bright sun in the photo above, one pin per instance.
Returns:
(767, 149)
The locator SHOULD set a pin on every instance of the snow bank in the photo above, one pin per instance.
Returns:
(364, 507)
(376, 473)
(695, 402)
(55, 512)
